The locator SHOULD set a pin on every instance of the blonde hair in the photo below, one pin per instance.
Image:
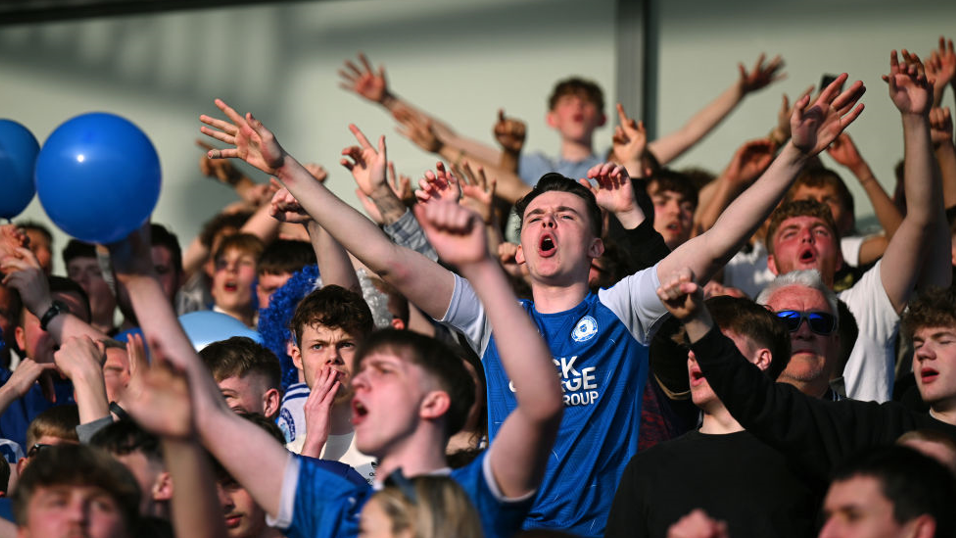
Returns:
(440, 508)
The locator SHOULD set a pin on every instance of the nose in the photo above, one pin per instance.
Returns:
(829, 529)
(925, 352)
(225, 501)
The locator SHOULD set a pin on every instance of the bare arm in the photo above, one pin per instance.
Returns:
(519, 453)
(671, 146)
(81, 360)
(913, 243)
(422, 281)
(751, 160)
(247, 451)
(844, 152)
(813, 129)
(941, 133)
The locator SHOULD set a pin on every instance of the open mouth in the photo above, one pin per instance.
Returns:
(928, 375)
(674, 227)
(231, 286)
(359, 412)
(696, 377)
(547, 247)
(808, 256)
(578, 117)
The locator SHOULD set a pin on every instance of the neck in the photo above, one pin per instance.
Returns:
(421, 453)
(717, 421)
(341, 419)
(575, 150)
(549, 299)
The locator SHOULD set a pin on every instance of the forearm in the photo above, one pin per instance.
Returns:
(334, 263)
(194, 256)
(314, 443)
(422, 281)
(195, 503)
(7, 397)
(671, 146)
(946, 157)
(262, 225)
(509, 161)
(66, 326)
(886, 211)
(708, 252)
(721, 196)
(90, 390)
(390, 207)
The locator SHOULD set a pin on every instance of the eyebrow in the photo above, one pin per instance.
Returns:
(559, 209)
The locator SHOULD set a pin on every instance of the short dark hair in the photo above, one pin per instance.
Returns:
(4, 475)
(59, 284)
(934, 307)
(239, 356)
(800, 208)
(160, 236)
(334, 307)
(672, 180)
(285, 256)
(59, 421)
(577, 86)
(78, 249)
(819, 177)
(125, 437)
(78, 465)
(213, 226)
(914, 484)
(36, 226)
(747, 318)
(556, 182)
(437, 359)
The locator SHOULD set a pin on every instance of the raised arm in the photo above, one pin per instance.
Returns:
(81, 361)
(671, 146)
(941, 133)
(750, 160)
(425, 283)
(247, 451)
(941, 67)
(813, 128)
(844, 152)
(519, 453)
(919, 238)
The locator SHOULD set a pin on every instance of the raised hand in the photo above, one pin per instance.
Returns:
(400, 184)
(781, 132)
(221, 170)
(285, 207)
(681, 295)
(138, 367)
(23, 272)
(941, 67)
(418, 129)
(318, 412)
(506, 256)
(910, 90)
(365, 162)
(750, 161)
(131, 257)
(613, 192)
(456, 232)
(630, 138)
(11, 238)
(438, 185)
(761, 75)
(80, 356)
(365, 81)
(253, 142)
(509, 132)
(26, 375)
(814, 128)
(478, 192)
(940, 126)
(163, 404)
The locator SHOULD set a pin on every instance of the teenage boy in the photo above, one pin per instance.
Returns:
(591, 336)
(83, 268)
(234, 279)
(277, 263)
(410, 398)
(247, 373)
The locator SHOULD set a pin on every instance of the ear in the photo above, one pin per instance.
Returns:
(551, 118)
(21, 465)
(596, 248)
(163, 487)
(398, 324)
(763, 359)
(20, 336)
(296, 357)
(772, 265)
(271, 401)
(923, 526)
(602, 121)
(435, 405)
(519, 255)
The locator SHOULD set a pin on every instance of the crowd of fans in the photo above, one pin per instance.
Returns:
(574, 345)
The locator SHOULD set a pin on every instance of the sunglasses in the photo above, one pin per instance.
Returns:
(819, 322)
(37, 447)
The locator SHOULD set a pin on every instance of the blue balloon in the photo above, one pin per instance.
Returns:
(205, 327)
(18, 155)
(98, 177)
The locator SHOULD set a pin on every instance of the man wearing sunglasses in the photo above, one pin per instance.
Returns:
(808, 308)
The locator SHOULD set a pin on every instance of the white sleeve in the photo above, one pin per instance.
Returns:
(290, 481)
(634, 301)
(869, 370)
(850, 247)
(466, 314)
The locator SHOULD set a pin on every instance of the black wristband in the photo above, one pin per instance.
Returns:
(119, 411)
(56, 308)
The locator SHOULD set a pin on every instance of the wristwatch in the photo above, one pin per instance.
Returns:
(57, 308)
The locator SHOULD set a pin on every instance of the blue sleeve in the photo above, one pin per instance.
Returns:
(327, 502)
(499, 517)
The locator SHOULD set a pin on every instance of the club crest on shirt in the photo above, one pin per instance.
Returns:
(286, 425)
(585, 330)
